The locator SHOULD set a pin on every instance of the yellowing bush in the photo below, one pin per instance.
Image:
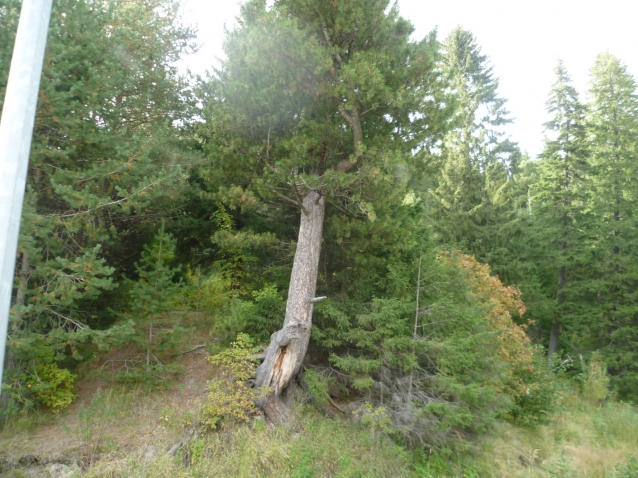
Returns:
(231, 397)
(52, 387)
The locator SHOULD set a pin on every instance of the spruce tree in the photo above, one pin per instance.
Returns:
(471, 200)
(560, 196)
(155, 290)
(105, 154)
(613, 130)
(103, 149)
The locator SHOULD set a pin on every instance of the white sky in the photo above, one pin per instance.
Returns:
(523, 38)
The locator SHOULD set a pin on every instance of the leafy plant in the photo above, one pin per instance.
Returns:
(52, 386)
(562, 468)
(595, 380)
(376, 419)
(230, 397)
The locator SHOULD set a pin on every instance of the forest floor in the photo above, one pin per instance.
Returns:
(115, 430)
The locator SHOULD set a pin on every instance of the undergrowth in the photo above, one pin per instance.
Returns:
(126, 433)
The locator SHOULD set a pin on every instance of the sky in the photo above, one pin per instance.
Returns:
(523, 39)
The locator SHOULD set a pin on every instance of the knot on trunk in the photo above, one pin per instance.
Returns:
(283, 357)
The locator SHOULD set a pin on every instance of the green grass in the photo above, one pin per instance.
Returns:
(582, 439)
(132, 428)
(315, 446)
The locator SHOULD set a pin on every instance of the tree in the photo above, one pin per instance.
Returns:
(470, 200)
(155, 289)
(102, 145)
(105, 150)
(560, 194)
(613, 128)
(316, 102)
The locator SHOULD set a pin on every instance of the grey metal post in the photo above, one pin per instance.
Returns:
(16, 130)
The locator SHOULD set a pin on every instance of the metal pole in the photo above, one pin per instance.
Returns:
(16, 130)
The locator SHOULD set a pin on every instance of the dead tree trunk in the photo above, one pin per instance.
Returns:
(288, 346)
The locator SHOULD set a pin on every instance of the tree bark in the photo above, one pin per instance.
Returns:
(553, 343)
(288, 346)
(25, 271)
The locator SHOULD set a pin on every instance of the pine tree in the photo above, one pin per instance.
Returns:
(560, 196)
(105, 150)
(102, 148)
(155, 290)
(318, 101)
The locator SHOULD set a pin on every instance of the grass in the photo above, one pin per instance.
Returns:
(581, 440)
(119, 431)
(315, 446)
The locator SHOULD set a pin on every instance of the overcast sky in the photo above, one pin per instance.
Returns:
(523, 39)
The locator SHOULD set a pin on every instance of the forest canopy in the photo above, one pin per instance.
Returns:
(337, 191)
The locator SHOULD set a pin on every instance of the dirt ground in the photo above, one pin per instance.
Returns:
(127, 420)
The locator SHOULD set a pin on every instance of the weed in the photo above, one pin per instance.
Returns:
(627, 470)
(562, 468)
(92, 423)
(231, 397)
(595, 381)
(197, 451)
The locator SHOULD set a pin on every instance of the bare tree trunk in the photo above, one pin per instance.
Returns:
(25, 270)
(553, 343)
(288, 346)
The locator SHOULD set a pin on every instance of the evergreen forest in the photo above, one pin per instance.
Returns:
(332, 239)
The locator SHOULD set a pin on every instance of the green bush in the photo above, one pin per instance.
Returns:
(595, 380)
(231, 397)
(542, 386)
(317, 387)
(52, 387)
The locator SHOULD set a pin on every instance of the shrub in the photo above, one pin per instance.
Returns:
(52, 387)
(317, 387)
(231, 397)
(537, 400)
(449, 371)
(595, 380)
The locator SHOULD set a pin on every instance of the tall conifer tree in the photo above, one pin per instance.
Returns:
(103, 144)
(471, 197)
(559, 194)
(317, 101)
(613, 129)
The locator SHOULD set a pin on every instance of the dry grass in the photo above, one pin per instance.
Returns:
(316, 446)
(127, 421)
(593, 440)
(581, 440)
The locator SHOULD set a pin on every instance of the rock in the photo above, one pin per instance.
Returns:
(58, 470)
(150, 452)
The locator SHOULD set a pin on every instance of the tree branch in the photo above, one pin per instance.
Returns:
(324, 26)
(292, 201)
(266, 163)
(355, 123)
